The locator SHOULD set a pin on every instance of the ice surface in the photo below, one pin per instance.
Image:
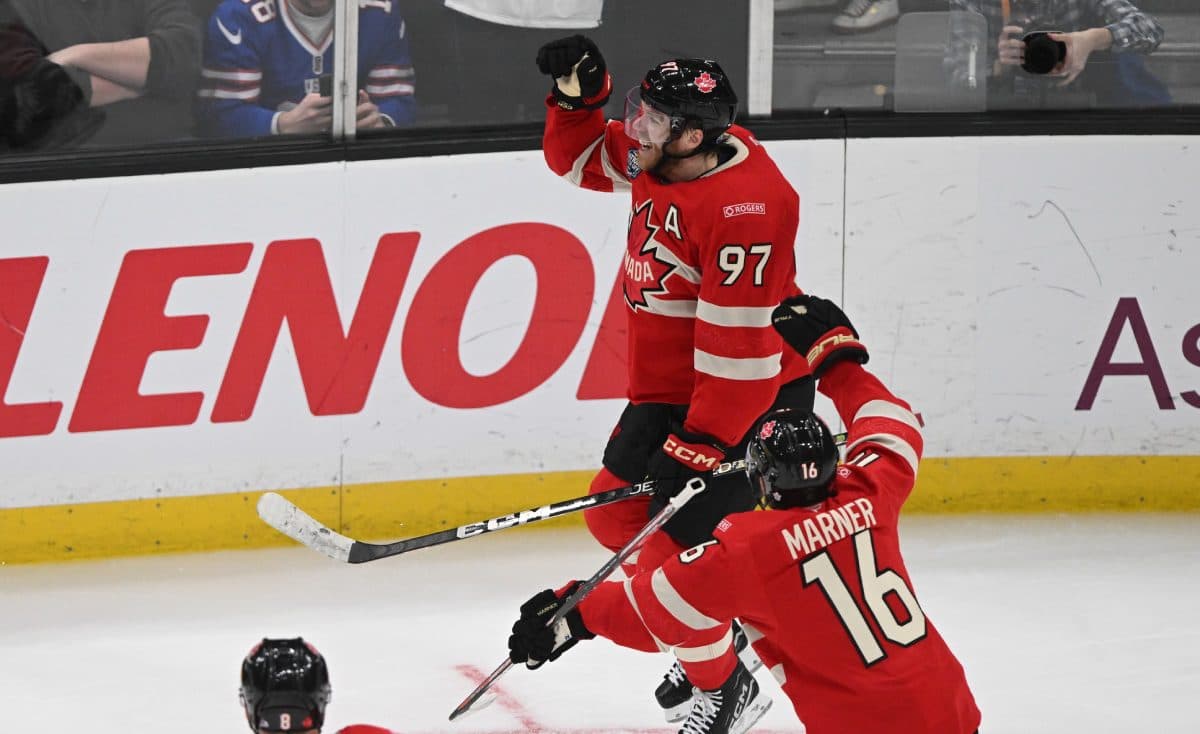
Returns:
(1065, 624)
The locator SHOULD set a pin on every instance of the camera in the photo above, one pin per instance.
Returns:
(1042, 53)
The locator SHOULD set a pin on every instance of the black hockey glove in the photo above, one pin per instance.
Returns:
(532, 642)
(818, 329)
(581, 78)
(683, 455)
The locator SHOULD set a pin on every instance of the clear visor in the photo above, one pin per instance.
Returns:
(643, 123)
(756, 470)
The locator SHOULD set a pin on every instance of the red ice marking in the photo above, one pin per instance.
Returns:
(529, 724)
(506, 700)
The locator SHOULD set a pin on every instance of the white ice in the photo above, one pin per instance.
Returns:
(1065, 625)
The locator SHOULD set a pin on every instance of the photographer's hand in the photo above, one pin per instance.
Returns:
(1080, 46)
(1010, 49)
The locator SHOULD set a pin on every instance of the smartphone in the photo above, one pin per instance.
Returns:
(325, 85)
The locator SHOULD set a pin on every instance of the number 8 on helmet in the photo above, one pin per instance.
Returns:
(285, 686)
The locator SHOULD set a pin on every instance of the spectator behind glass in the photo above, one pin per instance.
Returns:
(268, 68)
(138, 59)
(1113, 30)
(41, 107)
(855, 16)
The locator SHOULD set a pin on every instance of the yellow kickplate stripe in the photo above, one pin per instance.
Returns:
(391, 510)
(1058, 484)
(386, 510)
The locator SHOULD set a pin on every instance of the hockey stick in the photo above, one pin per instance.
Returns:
(694, 487)
(283, 515)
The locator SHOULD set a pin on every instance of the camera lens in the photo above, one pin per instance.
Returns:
(1042, 53)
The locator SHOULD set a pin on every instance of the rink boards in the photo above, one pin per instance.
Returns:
(414, 344)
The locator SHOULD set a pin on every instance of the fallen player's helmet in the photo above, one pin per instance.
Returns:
(694, 91)
(285, 686)
(792, 458)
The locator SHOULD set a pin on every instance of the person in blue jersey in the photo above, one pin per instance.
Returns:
(268, 68)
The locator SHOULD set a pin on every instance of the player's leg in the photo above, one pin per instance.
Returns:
(708, 662)
(694, 525)
(639, 432)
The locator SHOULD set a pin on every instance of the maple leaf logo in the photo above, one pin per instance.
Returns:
(645, 271)
(705, 83)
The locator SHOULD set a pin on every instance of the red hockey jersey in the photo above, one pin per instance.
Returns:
(705, 263)
(823, 593)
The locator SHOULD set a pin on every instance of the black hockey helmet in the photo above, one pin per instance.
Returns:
(792, 458)
(285, 686)
(695, 91)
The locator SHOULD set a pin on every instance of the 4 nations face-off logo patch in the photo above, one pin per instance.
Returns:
(645, 270)
(632, 169)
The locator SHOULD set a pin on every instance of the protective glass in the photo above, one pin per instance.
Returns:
(644, 123)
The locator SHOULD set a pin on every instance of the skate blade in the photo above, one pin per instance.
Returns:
(755, 711)
(678, 713)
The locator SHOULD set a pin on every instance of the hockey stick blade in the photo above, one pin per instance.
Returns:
(476, 699)
(281, 514)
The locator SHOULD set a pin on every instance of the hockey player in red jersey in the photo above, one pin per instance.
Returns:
(285, 688)
(819, 582)
(710, 252)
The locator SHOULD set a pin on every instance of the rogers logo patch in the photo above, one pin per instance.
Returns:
(737, 210)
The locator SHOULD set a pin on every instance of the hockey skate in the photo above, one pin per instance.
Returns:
(731, 709)
(675, 692)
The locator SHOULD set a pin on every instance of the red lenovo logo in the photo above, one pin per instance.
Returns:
(337, 363)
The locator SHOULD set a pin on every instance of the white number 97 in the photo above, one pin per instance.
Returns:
(732, 261)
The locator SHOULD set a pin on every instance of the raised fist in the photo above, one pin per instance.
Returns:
(580, 74)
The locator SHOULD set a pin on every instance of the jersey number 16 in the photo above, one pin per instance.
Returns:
(820, 570)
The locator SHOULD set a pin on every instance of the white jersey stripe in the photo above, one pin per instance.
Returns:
(628, 584)
(575, 175)
(677, 605)
(233, 76)
(731, 368)
(892, 443)
(390, 89)
(226, 94)
(680, 309)
(751, 316)
(620, 183)
(886, 409)
(385, 72)
(704, 653)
